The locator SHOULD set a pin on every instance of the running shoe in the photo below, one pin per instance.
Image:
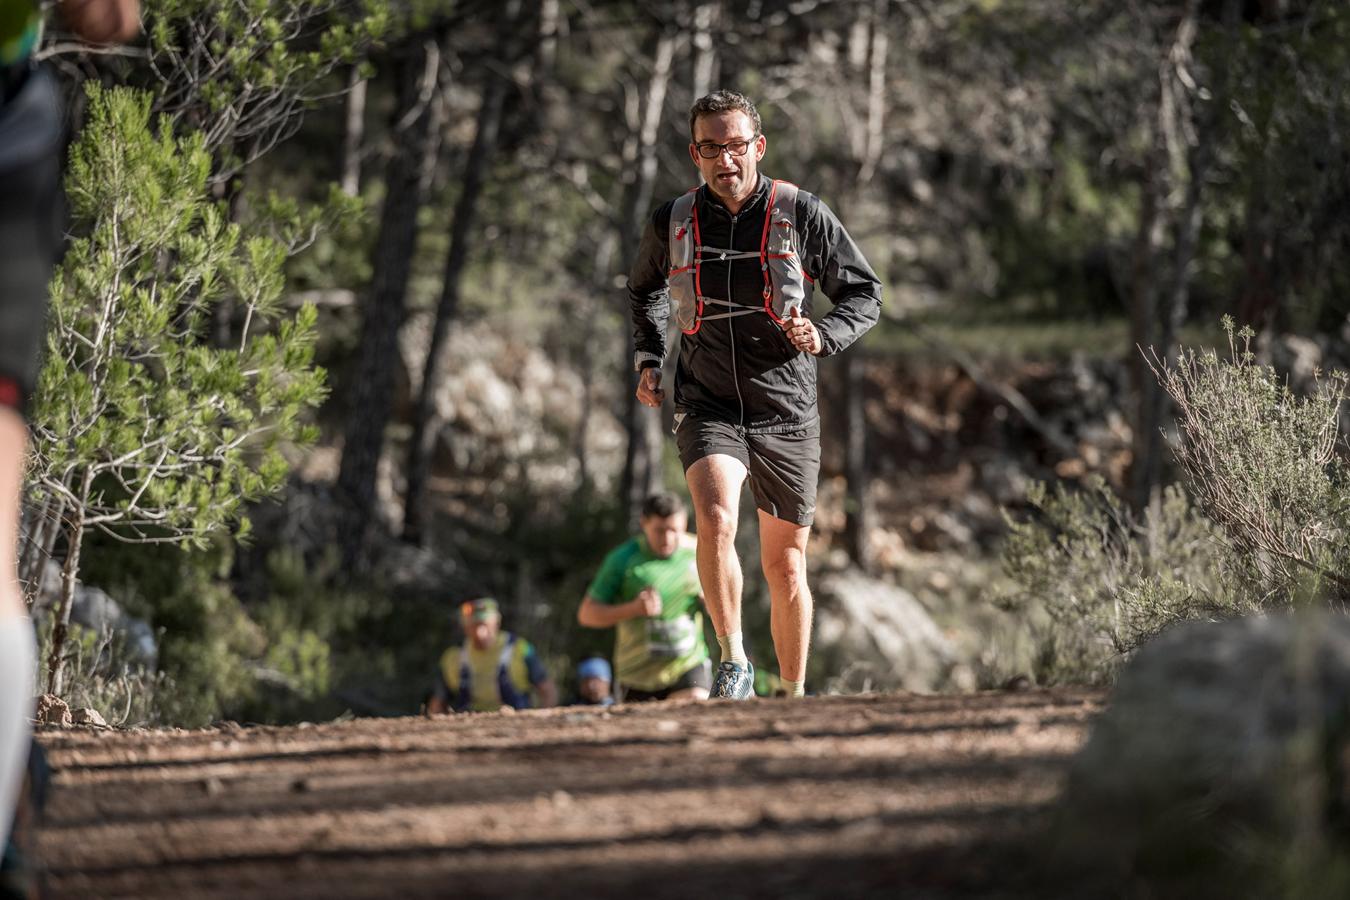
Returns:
(733, 682)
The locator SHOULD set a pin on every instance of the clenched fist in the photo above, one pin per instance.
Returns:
(802, 333)
(649, 390)
(648, 601)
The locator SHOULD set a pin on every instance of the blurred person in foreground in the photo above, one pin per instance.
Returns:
(595, 683)
(31, 127)
(737, 261)
(647, 589)
(492, 669)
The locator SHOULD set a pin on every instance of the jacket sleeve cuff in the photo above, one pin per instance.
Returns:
(828, 346)
(645, 361)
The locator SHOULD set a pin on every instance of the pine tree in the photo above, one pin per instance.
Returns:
(141, 428)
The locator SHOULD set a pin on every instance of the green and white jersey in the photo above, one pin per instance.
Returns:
(651, 653)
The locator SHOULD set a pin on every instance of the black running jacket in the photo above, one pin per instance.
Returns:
(744, 370)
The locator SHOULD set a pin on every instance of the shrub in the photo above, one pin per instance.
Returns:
(1269, 526)
(1262, 464)
(1094, 581)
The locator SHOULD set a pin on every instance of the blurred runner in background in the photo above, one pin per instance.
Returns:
(492, 670)
(595, 683)
(648, 590)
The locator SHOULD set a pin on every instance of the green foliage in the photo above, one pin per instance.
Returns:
(1263, 463)
(1270, 528)
(242, 74)
(102, 677)
(149, 430)
(142, 429)
(1096, 582)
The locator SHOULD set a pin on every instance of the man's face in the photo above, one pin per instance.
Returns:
(663, 533)
(593, 690)
(482, 631)
(732, 178)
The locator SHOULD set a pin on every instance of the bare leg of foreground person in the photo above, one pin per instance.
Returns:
(783, 555)
(715, 487)
(17, 651)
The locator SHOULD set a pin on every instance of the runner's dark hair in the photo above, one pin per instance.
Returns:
(720, 102)
(661, 506)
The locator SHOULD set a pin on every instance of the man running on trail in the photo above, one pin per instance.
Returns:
(737, 259)
(648, 590)
(492, 670)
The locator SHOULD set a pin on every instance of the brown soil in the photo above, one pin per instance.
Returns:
(897, 795)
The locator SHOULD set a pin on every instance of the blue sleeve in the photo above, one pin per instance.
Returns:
(538, 674)
(442, 691)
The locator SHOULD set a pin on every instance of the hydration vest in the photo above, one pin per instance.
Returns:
(505, 686)
(779, 259)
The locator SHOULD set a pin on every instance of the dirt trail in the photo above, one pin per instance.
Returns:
(896, 795)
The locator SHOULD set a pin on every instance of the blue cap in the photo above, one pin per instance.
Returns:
(595, 667)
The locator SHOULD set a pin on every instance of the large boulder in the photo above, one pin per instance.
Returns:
(92, 608)
(873, 635)
(1221, 759)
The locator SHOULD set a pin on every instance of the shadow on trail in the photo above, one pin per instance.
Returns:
(459, 853)
(515, 744)
(429, 786)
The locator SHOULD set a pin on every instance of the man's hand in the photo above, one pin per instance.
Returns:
(649, 392)
(647, 602)
(802, 332)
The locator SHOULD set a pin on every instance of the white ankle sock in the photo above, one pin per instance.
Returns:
(17, 654)
(795, 688)
(732, 650)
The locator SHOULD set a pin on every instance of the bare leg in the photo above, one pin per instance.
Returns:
(715, 487)
(693, 693)
(16, 632)
(782, 547)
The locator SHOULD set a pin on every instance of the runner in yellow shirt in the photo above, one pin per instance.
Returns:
(492, 670)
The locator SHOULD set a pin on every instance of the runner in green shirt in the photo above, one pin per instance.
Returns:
(648, 590)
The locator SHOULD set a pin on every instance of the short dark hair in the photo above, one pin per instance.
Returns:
(720, 102)
(662, 506)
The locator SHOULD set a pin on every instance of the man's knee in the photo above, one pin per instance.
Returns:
(717, 522)
(787, 567)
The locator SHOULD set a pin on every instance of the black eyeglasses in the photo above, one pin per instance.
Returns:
(709, 150)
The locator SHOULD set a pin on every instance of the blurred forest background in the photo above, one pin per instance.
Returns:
(341, 336)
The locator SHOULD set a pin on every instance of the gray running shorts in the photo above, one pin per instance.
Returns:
(784, 468)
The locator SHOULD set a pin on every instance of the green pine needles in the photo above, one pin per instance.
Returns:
(142, 428)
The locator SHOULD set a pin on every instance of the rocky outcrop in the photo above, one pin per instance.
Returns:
(1224, 746)
(93, 608)
(876, 636)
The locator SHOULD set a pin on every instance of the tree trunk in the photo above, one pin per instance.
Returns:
(56, 663)
(1153, 324)
(36, 549)
(546, 51)
(858, 508)
(642, 474)
(705, 19)
(600, 276)
(858, 502)
(1143, 332)
(415, 71)
(354, 132)
(462, 232)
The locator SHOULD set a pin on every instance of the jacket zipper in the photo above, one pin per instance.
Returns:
(731, 328)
